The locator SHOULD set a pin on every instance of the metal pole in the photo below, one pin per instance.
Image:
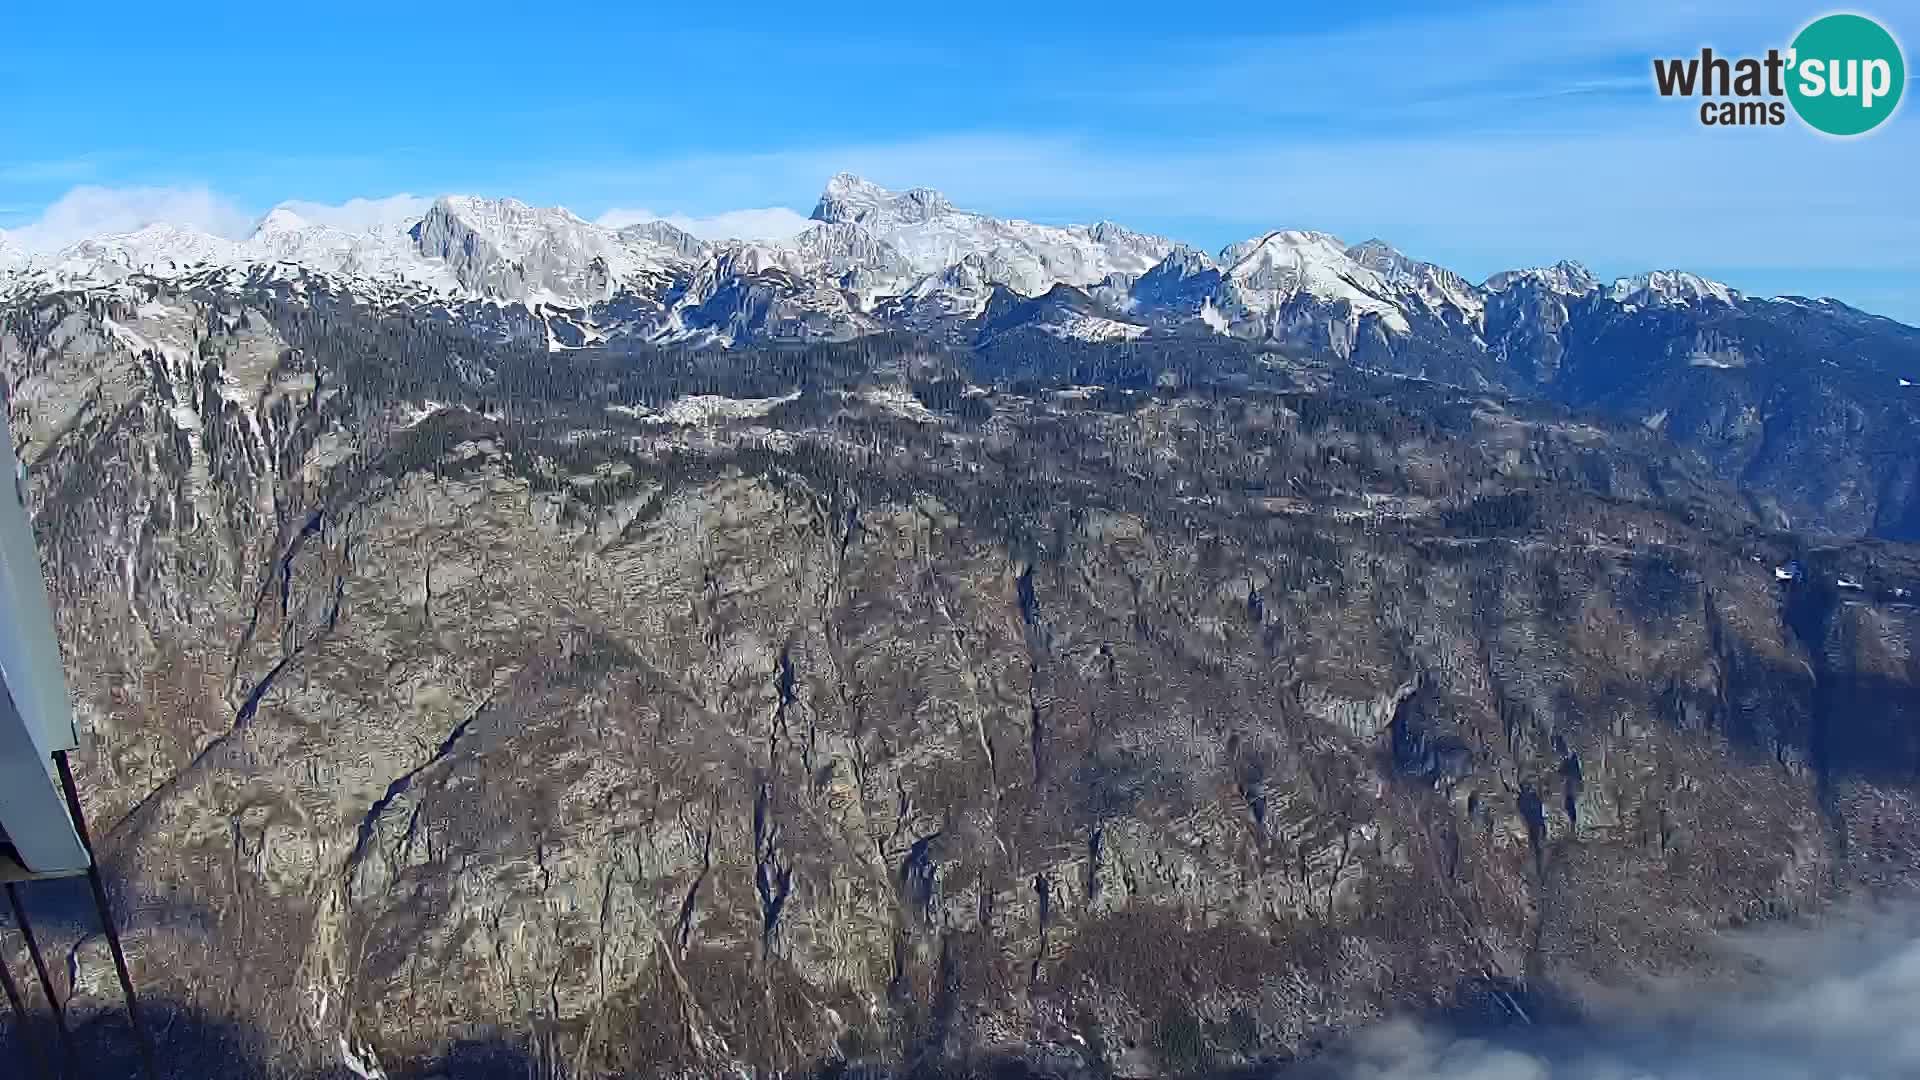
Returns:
(46, 982)
(20, 1021)
(105, 907)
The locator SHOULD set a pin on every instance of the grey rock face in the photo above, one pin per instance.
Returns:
(676, 240)
(844, 249)
(746, 294)
(545, 252)
(1438, 290)
(850, 199)
(695, 712)
(1566, 277)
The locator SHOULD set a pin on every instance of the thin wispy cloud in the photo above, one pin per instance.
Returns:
(61, 170)
(1453, 59)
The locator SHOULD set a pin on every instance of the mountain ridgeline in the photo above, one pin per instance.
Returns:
(1809, 406)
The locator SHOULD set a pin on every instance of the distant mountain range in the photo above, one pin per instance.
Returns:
(872, 259)
(1811, 405)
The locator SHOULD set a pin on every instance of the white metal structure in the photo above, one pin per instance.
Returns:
(37, 837)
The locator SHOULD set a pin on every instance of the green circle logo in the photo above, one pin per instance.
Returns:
(1845, 74)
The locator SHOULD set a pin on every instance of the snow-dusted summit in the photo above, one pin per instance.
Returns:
(505, 249)
(383, 253)
(1566, 278)
(1270, 273)
(1670, 288)
(1443, 292)
(921, 228)
(853, 199)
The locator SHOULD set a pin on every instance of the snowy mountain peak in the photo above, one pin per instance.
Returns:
(745, 258)
(1566, 277)
(1273, 271)
(1435, 287)
(1375, 251)
(660, 233)
(853, 188)
(852, 199)
(1108, 232)
(1664, 288)
(154, 248)
(281, 220)
(1184, 261)
(1392, 263)
(926, 233)
(511, 223)
(1285, 244)
(504, 248)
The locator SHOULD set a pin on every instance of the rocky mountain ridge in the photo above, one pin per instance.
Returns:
(1802, 403)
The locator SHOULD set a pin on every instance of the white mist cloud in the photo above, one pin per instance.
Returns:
(361, 215)
(101, 211)
(1836, 1001)
(92, 211)
(771, 223)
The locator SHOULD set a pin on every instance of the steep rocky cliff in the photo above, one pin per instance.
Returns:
(452, 705)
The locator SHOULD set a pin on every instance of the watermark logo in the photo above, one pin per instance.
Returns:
(1843, 75)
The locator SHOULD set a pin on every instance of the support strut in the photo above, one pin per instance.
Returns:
(46, 981)
(104, 906)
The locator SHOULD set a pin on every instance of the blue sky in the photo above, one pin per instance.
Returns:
(1482, 136)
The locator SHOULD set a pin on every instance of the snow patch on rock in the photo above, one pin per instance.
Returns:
(696, 410)
(1670, 288)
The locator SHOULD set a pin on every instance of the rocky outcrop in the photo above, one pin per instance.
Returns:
(504, 248)
(1361, 717)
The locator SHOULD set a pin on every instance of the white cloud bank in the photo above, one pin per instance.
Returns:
(361, 215)
(93, 211)
(1833, 1002)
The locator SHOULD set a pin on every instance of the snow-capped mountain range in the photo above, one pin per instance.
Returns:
(872, 259)
(1799, 399)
